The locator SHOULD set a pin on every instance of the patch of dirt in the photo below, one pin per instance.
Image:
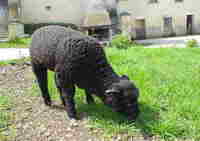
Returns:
(33, 121)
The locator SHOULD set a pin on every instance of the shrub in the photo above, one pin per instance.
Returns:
(17, 41)
(192, 43)
(121, 42)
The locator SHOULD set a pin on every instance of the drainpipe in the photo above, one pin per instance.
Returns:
(115, 21)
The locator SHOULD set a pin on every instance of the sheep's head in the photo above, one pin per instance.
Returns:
(123, 97)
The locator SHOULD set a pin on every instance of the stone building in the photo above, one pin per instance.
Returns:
(92, 16)
(161, 18)
(139, 19)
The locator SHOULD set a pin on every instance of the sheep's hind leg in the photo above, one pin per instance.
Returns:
(41, 75)
(59, 89)
(67, 92)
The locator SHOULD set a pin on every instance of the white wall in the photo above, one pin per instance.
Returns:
(68, 11)
(154, 14)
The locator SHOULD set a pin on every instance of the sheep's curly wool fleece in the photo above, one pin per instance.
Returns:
(58, 47)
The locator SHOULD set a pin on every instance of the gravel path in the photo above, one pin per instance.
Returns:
(32, 120)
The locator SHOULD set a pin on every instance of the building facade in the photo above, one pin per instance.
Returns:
(3, 19)
(82, 13)
(162, 18)
(139, 19)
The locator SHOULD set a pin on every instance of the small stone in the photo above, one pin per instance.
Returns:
(68, 135)
(74, 123)
(28, 63)
(69, 129)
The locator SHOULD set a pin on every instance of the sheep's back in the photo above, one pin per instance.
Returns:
(53, 45)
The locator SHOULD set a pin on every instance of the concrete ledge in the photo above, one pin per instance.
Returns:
(2, 41)
(172, 41)
(13, 53)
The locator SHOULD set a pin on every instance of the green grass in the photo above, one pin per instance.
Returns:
(4, 116)
(18, 43)
(168, 80)
(14, 61)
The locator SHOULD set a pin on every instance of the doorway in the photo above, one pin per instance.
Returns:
(168, 27)
(189, 24)
(140, 29)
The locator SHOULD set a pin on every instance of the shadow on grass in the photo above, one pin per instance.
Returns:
(102, 115)
(148, 117)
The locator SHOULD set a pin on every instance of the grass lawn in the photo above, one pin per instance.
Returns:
(168, 80)
(18, 43)
(4, 115)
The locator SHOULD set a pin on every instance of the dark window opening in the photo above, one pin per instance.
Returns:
(4, 3)
(168, 27)
(178, 0)
(48, 8)
(102, 34)
(189, 24)
(140, 29)
(153, 1)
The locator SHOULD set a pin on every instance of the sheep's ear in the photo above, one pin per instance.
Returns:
(112, 91)
(125, 77)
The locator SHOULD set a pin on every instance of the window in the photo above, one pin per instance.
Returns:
(48, 7)
(178, 0)
(153, 1)
(168, 26)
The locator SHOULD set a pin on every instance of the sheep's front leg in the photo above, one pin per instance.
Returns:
(68, 95)
(67, 92)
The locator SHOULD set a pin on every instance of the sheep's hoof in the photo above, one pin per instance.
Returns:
(72, 117)
(74, 123)
(47, 102)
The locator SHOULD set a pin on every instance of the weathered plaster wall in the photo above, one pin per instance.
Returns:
(37, 11)
(3, 15)
(154, 15)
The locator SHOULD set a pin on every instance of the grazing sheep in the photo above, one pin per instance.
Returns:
(79, 60)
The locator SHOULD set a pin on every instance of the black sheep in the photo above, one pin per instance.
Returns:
(79, 60)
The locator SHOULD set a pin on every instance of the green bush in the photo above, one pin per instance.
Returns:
(121, 42)
(17, 41)
(192, 43)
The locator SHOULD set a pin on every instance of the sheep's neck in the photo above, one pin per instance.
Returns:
(107, 78)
